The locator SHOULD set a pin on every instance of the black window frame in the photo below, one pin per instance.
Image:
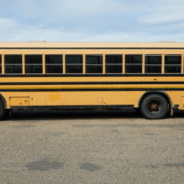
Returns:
(94, 65)
(67, 65)
(153, 64)
(34, 64)
(127, 64)
(1, 64)
(13, 64)
(53, 64)
(107, 64)
(172, 64)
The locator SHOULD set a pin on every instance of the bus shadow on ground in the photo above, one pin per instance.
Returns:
(82, 114)
(73, 114)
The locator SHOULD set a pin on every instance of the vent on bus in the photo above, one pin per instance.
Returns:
(37, 41)
(166, 41)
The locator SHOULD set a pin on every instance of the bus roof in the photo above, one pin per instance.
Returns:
(35, 44)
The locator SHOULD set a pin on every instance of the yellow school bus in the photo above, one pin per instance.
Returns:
(144, 76)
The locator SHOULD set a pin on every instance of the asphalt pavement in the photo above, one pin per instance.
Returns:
(95, 147)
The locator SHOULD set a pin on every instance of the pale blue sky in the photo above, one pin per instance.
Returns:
(97, 20)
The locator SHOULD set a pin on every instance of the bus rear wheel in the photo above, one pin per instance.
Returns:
(154, 106)
(2, 109)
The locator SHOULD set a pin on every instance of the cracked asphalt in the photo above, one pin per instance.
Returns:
(100, 147)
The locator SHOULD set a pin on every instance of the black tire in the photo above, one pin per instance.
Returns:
(154, 106)
(2, 109)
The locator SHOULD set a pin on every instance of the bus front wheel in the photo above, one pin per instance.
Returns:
(2, 109)
(154, 106)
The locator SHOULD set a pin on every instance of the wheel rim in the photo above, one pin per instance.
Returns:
(154, 106)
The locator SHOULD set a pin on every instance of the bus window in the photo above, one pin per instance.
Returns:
(0, 64)
(172, 64)
(153, 64)
(94, 64)
(54, 63)
(113, 63)
(133, 64)
(33, 63)
(74, 64)
(13, 63)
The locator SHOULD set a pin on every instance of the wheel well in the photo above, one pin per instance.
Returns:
(160, 93)
(3, 99)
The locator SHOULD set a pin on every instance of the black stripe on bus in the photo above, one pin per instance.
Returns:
(81, 90)
(85, 83)
(90, 48)
(91, 75)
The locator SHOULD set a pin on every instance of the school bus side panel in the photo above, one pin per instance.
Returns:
(34, 98)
